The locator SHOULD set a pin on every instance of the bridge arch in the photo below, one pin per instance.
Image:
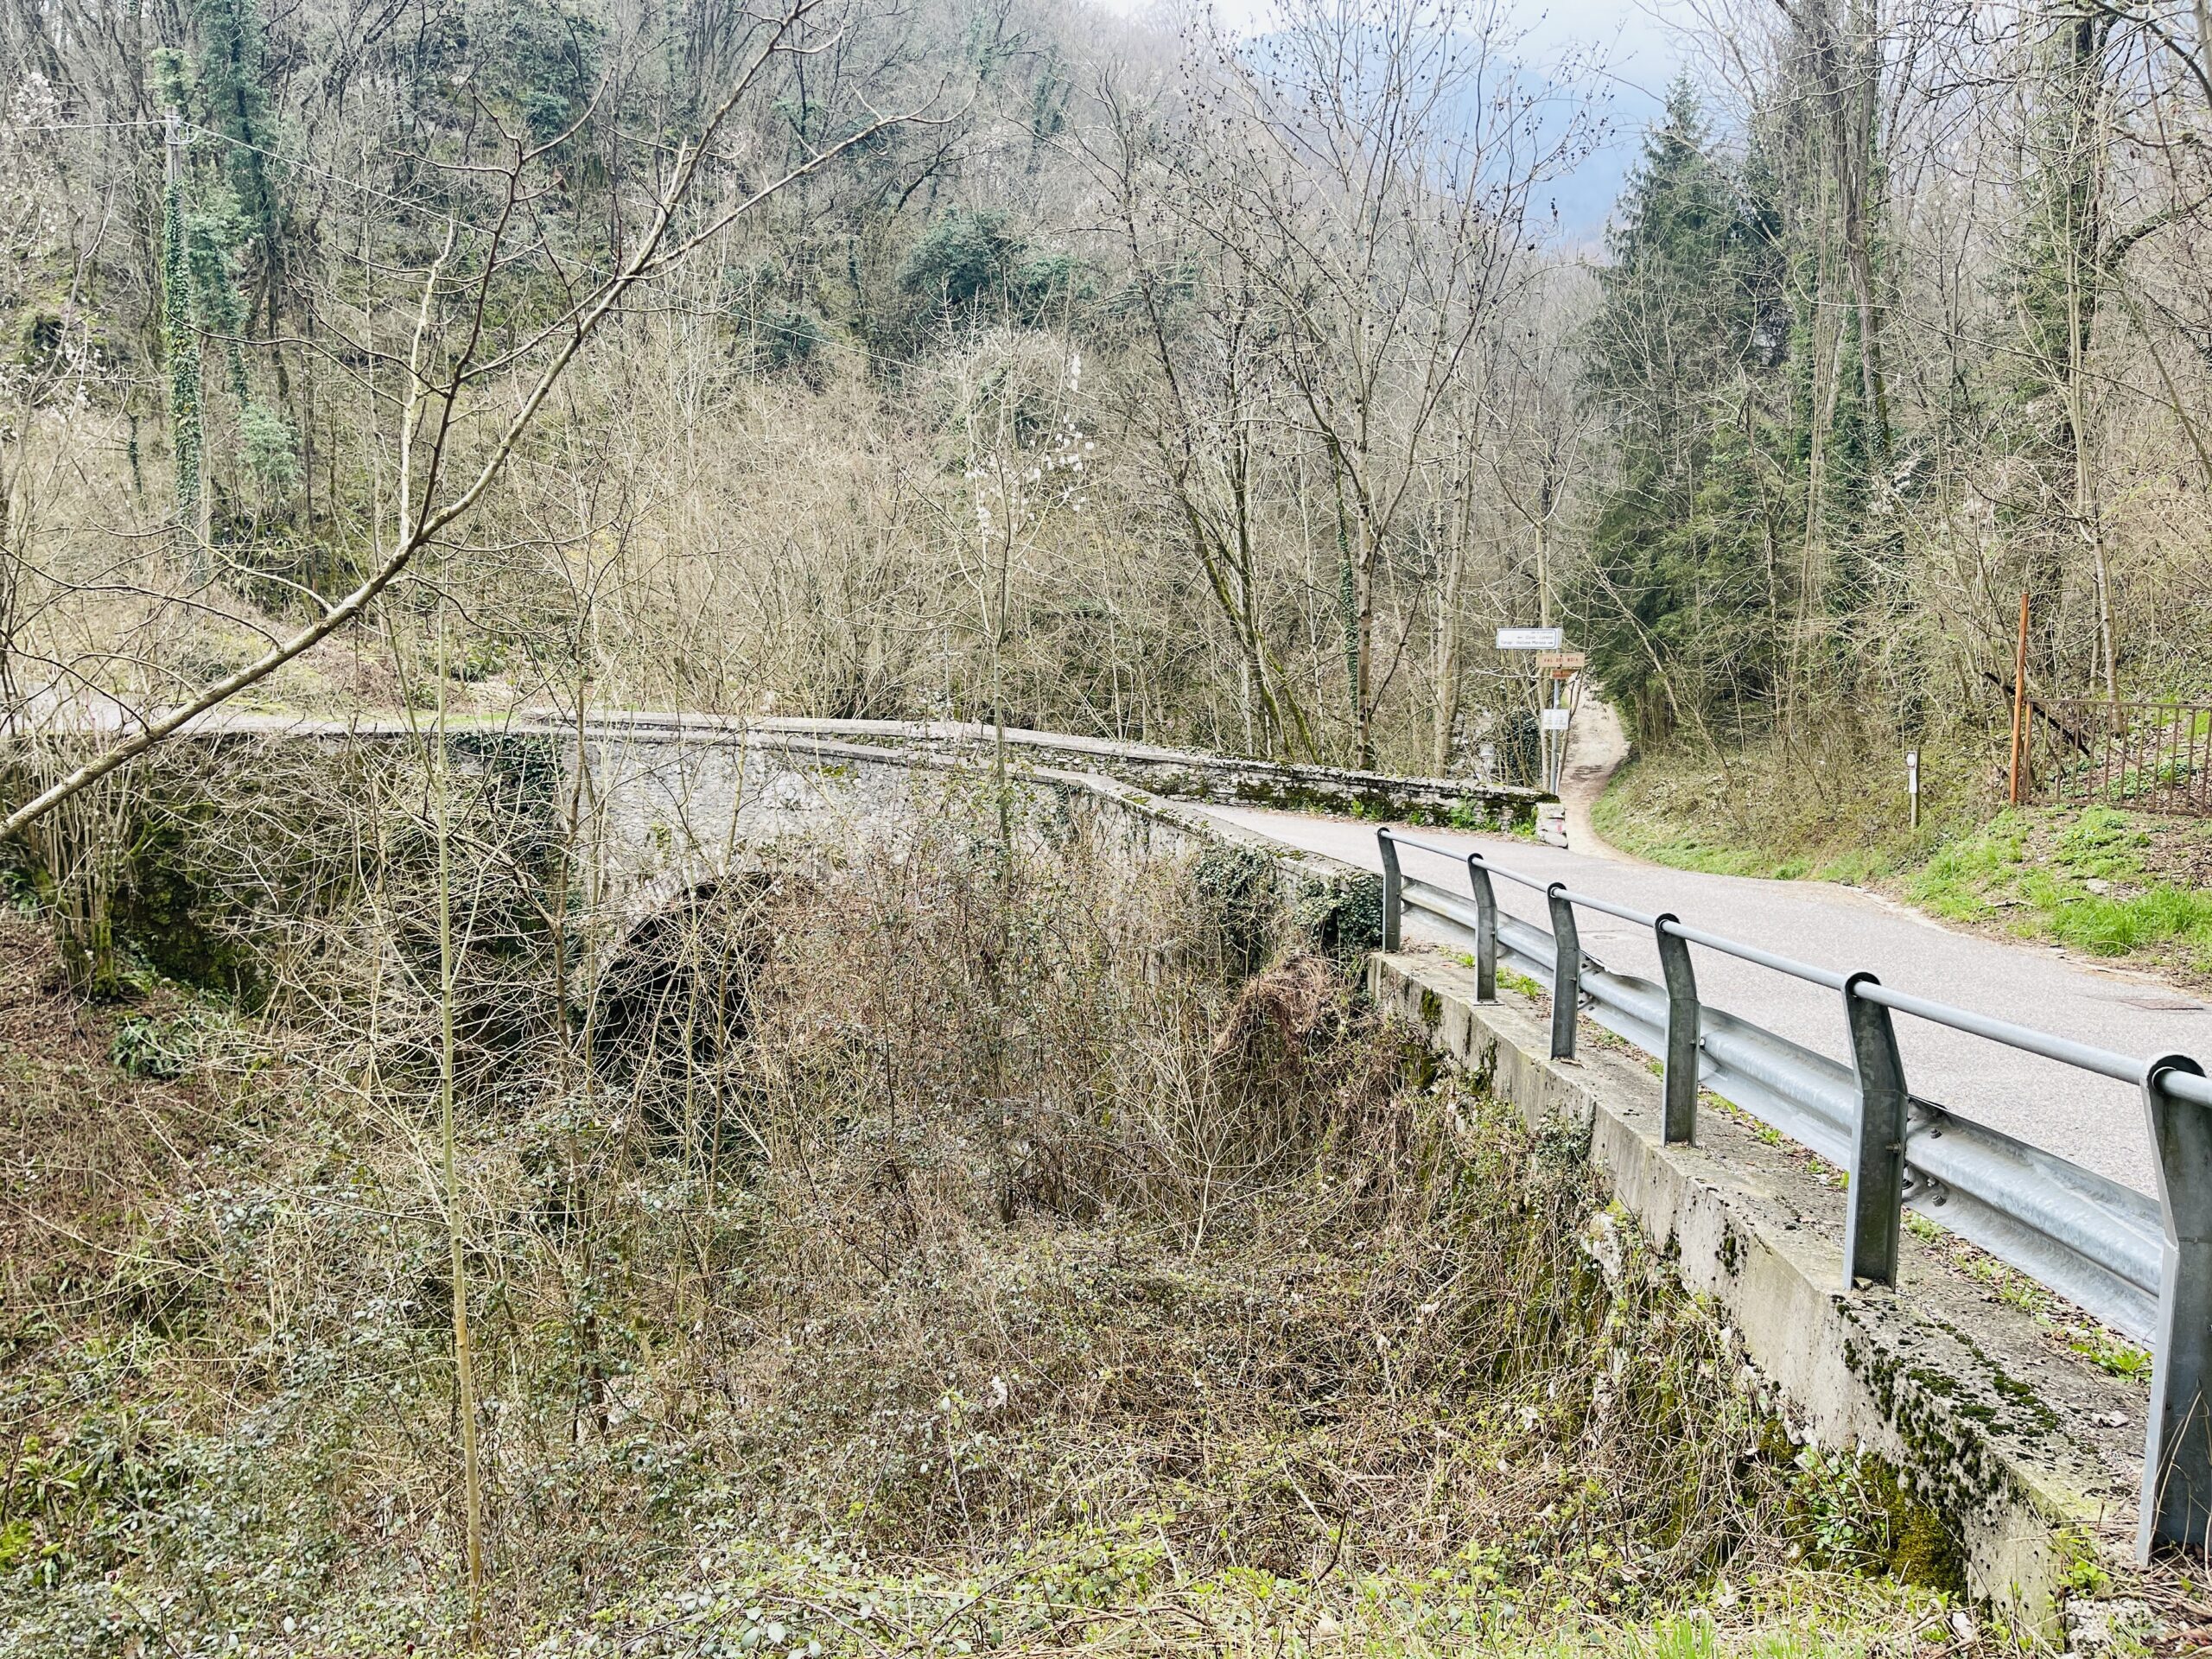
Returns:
(673, 997)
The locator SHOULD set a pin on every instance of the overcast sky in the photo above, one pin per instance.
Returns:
(1639, 50)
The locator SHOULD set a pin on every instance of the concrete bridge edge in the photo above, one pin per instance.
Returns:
(1935, 1382)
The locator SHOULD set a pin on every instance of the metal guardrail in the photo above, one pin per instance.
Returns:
(2142, 1266)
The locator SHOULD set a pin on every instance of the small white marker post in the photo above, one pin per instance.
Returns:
(1912, 784)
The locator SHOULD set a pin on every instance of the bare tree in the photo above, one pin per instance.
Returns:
(1372, 173)
(460, 365)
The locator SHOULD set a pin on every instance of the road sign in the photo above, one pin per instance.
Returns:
(1567, 660)
(1554, 720)
(1530, 638)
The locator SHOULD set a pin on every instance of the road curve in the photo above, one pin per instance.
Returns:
(2097, 1124)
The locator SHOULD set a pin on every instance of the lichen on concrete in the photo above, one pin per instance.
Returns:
(1989, 1480)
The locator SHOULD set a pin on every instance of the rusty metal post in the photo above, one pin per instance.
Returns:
(2019, 701)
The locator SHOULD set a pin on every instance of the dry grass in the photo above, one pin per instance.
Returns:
(997, 1258)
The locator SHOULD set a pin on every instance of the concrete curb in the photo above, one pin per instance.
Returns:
(2028, 1456)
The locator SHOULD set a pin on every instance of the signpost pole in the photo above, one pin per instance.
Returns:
(1549, 699)
(2019, 703)
(1545, 640)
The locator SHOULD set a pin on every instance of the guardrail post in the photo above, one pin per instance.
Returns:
(1877, 1205)
(1679, 1087)
(1566, 971)
(1485, 929)
(2176, 1506)
(1394, 889)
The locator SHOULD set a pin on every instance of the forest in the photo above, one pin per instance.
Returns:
(1001, 1243)
(1014, 361)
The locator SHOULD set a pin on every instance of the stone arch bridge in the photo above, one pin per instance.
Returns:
(662, 802)
(2027, 1457)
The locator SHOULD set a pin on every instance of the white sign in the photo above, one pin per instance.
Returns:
(1912, 768)
(1530, 638)
(1554, 720)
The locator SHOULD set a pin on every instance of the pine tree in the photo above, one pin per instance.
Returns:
(1677, 610)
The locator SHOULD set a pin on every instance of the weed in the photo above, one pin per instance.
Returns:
(2112, 1354)
(151, 1047)
(2103, 1348)
(1850, 1525)
(1521, 985)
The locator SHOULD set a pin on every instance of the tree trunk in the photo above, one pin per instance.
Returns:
(1845, 76)
(1447, 719)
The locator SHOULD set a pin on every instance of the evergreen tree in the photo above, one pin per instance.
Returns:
(1677, 608)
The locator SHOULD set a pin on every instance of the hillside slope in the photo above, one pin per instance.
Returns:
(2114, 887)
(1146, 1312)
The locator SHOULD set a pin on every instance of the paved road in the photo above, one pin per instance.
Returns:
(2094, 1121)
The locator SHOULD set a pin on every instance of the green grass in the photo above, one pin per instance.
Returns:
(2031, 871)
(1114, 1591)
(1767, 815)
(2097, 879)
(2115, 1355)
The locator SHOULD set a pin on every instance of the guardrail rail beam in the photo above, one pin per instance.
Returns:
(2143, 1267)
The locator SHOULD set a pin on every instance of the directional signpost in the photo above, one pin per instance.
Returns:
(1557, 667)
(1530, 638)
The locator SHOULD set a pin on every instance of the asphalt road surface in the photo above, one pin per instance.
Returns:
(2096, 1122)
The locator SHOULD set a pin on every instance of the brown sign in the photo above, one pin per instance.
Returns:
(1569, 659)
